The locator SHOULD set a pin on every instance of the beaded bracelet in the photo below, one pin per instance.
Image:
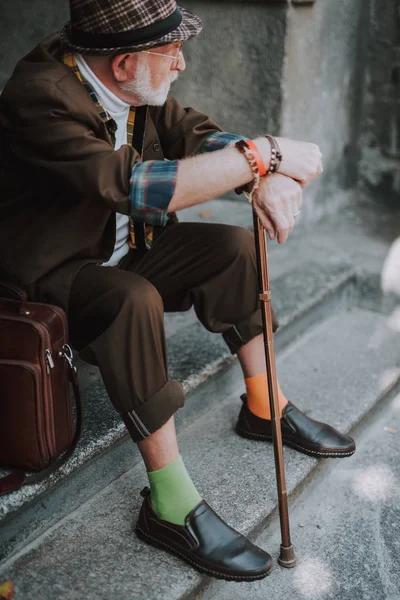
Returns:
(276, 155)
(276, 158)
(244, 148)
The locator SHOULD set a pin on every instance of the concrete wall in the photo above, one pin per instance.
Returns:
(23, 23)
(234, 67)
(290, 69)
(230, 66)
(297, 70)
(380, 134)
(322, 92)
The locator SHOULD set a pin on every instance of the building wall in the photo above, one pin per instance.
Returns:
(322, 87)
(380, 132)
(323, 71)
(23, 23)
(234, 67)
(290, 69)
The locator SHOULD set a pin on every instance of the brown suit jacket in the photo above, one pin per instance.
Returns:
(61, 182)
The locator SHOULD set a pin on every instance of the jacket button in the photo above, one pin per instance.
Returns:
(156, 147)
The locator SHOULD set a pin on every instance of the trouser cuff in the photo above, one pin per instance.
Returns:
(150, 416)
(243, 332)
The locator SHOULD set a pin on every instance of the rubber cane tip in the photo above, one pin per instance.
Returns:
(287, 558)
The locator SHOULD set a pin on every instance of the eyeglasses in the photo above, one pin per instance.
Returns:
(175, 57)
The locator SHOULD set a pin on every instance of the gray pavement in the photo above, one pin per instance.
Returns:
(345, 527)
(336, 372)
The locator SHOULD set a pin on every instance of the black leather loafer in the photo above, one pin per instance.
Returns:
(206, 542)
(298, 431)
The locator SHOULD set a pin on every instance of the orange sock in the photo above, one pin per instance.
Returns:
(258, 396)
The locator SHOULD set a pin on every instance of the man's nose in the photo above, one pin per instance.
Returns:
(181, 66)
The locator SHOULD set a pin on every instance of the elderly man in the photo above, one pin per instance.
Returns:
(96, 158)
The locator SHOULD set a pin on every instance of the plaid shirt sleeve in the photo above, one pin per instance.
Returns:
(220, 140)
(152, 185)
(153, 182)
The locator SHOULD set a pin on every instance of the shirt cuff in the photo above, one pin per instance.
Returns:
(220, 140)
(152, 185)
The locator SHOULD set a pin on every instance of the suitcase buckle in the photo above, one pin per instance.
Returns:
(66, 352)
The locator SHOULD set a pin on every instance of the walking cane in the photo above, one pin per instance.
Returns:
(287, 557)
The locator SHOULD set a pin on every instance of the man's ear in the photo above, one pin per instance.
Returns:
(121, 66)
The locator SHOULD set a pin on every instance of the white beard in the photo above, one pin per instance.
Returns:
(141, 88)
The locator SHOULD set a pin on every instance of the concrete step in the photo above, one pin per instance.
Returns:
(194, 355)
(311, 278)
(344, 525)
(337, 372)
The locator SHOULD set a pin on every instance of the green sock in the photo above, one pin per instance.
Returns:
(173, 494)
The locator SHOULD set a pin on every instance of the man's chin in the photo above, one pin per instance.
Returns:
(158, 99)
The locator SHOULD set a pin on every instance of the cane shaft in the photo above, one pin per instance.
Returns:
(265, 298)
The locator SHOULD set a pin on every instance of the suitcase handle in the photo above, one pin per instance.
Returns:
(11, 291)
(16, 306)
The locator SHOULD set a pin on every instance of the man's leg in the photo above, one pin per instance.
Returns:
(116, 320)
(161, 448)
(214, 268)
(203, 539)
(252, 360)
(173, 494)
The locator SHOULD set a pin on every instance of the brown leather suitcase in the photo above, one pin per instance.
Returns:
(36, 420)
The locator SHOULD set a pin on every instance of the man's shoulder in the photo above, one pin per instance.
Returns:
(42, 77)
(42, 63)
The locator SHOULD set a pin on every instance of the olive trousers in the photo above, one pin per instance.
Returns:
(116, 314)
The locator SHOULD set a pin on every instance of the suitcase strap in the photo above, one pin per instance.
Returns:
(17, 478)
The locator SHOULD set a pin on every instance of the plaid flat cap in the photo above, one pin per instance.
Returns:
(112, 26)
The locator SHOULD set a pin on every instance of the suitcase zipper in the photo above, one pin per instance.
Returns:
(49, 361)
(63, 319)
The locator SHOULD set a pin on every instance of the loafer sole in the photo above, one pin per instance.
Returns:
(207, 568)
(267, 438)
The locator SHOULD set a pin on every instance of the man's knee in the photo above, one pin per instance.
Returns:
(140, 296)
(130, 294)
(121, 301)
(238, 242)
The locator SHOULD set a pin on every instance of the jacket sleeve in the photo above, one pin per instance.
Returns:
(182, 131)
(220, 140)
(66, 143)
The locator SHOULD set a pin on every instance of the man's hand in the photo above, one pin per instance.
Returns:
(302, 161)
(276, 202)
